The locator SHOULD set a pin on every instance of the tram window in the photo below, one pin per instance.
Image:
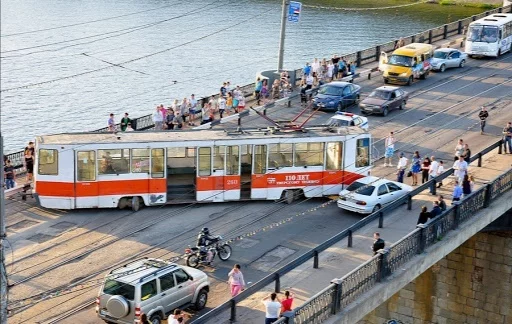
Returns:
(280, 155)
(86, 166)
(362, 152)
(191, 151)
(205, 161)
(48, 162)
(157, 163)
(218, 157)
(232, 165)
(309, 154)
(114, 161)
(260, 159)
(176, 152)
(334, 156)
(140, 160)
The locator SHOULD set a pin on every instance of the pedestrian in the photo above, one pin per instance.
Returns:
(353, 68)
(29, 154)
(272, 308)
(461, 168)
(459, 149)
(144, 319)
(457, 193)
(169, 118)
(286, 303)
(442, 203)
(401, 166)
(390, 149)
(507, 136)
(9, 175)
(440, 170)
(433, 171)
(205, 112)
(335, 60)
(378, 244)
(192, 109)
(306, 70)
(467, 186)
(257, 90)
(415, 167)
(236, 280)
(229, 103)
(158, 119)
(236, 95)
(228, 87)
(425, 168)
(124, 122)
(436, 210)
(184, 109)
(223, 90)
(424, 216)
(483, 114)
(111, 124)
(399, 43)
(129, 128)
(466, 154)
(241, 103)
(264, 91)
(330, 71)
(178, 121)
(315, 66)
(222, 106)
(212, 105)
(178, 316)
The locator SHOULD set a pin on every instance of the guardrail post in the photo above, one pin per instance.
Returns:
(500, 9)
(445, 31)
(278, 283)
(377, 53)
(409, 202)
(430, 36)
(264, 111)
(381, 219)
(487, 197)
(232, 319)
(349, 240)
(358, 59)
(315, 259)
(479, 159)
(336, 300)
(413, 39)
(382, 265)
(421, 238)
(456, 216)
(239, 122)
(500, 148)
(473, 18)
(459, 27)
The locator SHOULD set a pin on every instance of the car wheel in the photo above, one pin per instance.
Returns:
(340, 107)
(376, 209)
(201, 300)
(442, 68)
(409, 82)
(155, 319)
(402, 105)
(385, 111)
(499, 53)
(462, 63)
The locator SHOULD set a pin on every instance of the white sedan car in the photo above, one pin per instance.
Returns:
(345, 119)
(448, 58)
(369, 194)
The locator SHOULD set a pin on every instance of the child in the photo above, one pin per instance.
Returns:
(241, 103)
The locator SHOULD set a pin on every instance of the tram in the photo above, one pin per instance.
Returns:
(105, 170)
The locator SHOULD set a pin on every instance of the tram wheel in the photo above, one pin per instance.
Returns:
(289, 196)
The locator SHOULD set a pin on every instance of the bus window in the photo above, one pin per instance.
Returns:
(48, 162)
(157, 163)
(309, 154)
(205, 161)
(113, 161)
(362, 152)
(334, 156)
(218, 157)
(280, 155)
(232, 165)
(86, 166)
(260, 159)
(140, 161)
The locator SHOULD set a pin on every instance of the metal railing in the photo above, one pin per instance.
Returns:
(364, 277)
(366, 56)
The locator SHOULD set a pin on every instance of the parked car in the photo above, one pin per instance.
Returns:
(384, 99)
(150, 286)
(345, 119)
(337, 95)
(369, 194)
(445, 58)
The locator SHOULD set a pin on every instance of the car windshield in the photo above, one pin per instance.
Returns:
(361, 188)
(329, 90)
(339, 123)
(487, 34)
(114, 287)
(440, 55)
(400, 60)
(380, 94)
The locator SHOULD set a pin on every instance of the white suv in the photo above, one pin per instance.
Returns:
(150, 286)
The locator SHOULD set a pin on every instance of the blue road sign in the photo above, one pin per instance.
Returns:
(294, 11)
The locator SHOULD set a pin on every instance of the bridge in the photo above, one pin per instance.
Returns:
(56, 270)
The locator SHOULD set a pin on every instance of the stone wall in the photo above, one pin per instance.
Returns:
(472, 285)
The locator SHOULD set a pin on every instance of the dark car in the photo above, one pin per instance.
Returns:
(336, 95)
(384, 99)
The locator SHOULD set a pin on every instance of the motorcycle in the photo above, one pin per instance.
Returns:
(195, 256)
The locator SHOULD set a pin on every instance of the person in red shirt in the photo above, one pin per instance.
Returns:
(286, 303)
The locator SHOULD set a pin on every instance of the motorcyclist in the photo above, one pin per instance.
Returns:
(204, 239)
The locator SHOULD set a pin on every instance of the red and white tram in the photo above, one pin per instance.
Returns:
(98, 170)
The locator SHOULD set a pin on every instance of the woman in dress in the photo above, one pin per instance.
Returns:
(415, 167)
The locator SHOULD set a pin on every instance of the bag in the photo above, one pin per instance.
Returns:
(409, 174)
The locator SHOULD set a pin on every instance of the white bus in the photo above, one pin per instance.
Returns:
(490, 36)
(101, 170)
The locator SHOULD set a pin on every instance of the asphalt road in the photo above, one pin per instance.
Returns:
(441, 109)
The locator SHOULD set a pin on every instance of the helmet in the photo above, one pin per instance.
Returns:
(205, 230)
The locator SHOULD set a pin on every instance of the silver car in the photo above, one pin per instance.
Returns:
(150, 286)
(445, 58)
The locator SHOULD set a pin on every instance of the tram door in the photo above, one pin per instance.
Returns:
(260, 182)
(334, 175)
(86, 186)
(232, 178)
(158, 180)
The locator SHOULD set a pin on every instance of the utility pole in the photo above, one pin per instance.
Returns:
(3, 273)
(286, 3)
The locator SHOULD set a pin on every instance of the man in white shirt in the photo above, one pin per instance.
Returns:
(440, 170)
(461, 168)
(433, 171)
(402, 164)
(272, 308)
(315, 66)
(459, 149)
(158, 119)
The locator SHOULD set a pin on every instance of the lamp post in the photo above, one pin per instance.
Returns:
(286, 3)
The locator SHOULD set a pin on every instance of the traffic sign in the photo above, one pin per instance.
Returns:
(294, 11)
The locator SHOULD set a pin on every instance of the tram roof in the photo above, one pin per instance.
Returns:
(190, 135)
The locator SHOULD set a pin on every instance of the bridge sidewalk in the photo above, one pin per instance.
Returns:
(339, 260)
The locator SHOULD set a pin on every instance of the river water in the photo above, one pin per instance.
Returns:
(175, 48)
